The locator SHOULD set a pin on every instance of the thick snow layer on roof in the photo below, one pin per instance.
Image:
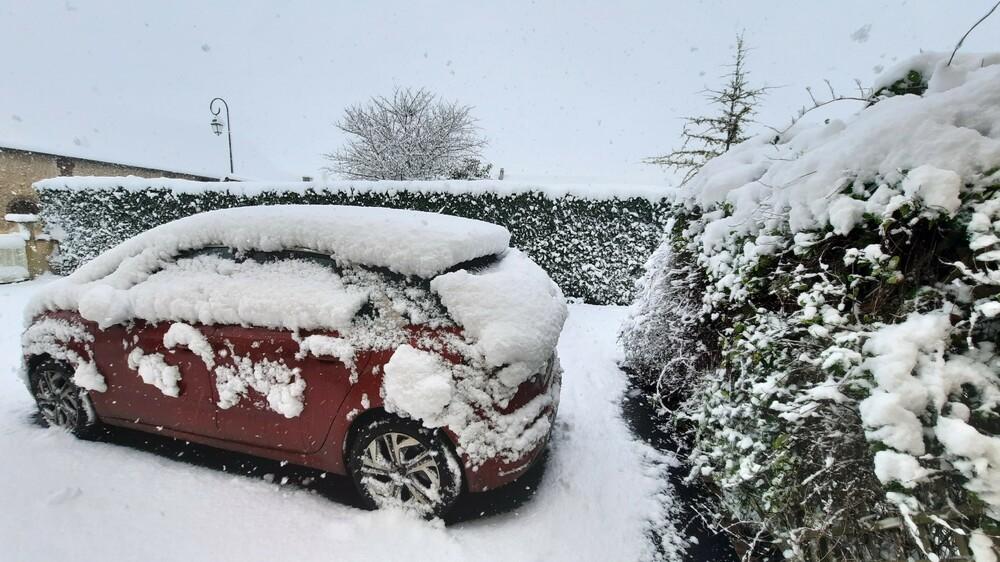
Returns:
(407, 242)
(551, 190)
(798, 177)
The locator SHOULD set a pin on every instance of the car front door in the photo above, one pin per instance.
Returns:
(268, 391)
(268, 396)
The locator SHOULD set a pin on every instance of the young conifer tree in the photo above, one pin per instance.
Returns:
(706, 137)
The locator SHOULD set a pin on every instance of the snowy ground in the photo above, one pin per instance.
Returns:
(64, 499)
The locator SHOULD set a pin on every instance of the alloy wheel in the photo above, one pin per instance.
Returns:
(58, 398)
(399, 470)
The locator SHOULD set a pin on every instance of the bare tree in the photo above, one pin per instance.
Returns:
(705, 138)
(974, 26)
(411, 136)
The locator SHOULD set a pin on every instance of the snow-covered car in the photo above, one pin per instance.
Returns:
(412, 351)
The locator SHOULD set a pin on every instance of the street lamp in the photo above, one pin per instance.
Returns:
(218, 123)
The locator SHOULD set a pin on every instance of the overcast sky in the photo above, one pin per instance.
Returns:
(581, 89)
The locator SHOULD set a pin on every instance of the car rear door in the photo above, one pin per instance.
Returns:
(151, 384)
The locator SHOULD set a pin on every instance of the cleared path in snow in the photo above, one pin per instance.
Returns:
(64, 499)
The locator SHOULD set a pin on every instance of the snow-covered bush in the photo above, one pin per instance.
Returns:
(847, 402)
(664, 353)
(591, 241)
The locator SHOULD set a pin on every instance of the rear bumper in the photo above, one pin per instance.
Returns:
(496, 473)
(532, 419)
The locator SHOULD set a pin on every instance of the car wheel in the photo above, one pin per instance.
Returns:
(397, 462)
(60, 402)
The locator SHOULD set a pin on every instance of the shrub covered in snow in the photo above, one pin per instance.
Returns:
(592, 241)
(828, 301)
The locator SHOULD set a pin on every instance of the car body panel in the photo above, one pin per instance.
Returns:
(129, 397)
(250, 421)
(334, 398)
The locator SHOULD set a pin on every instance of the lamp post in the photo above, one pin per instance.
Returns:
(217, 126)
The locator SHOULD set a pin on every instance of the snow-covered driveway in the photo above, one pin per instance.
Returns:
(64, 499)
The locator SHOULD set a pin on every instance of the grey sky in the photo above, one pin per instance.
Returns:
(583, 89)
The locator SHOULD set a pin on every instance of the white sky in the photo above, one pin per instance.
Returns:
(564, 90)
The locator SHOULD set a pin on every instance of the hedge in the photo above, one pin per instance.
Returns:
(594, 247)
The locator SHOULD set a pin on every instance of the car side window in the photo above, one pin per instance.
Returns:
(215, 251)
(295, 255)
(282, 289)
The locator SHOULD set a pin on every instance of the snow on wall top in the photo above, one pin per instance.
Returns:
(796, 181)
(407, 242)
(553, 191)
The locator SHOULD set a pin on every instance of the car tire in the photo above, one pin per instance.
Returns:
(397, 462)
(61, 403)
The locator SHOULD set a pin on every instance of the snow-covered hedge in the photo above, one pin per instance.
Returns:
(828, 305)
(593, 242)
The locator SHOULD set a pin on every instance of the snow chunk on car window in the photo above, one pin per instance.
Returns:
(512, 310)
(406, 242)
(286, 294)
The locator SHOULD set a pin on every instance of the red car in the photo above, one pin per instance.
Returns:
(413, 351)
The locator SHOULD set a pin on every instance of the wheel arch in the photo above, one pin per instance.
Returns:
(33, 361)
(360, 421)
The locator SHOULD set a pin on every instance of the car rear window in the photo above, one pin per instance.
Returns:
(476, 264)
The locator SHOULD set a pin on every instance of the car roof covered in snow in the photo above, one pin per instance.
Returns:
(406, 242)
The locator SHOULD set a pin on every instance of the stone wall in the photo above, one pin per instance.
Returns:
(21, 168)
(18, 170)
